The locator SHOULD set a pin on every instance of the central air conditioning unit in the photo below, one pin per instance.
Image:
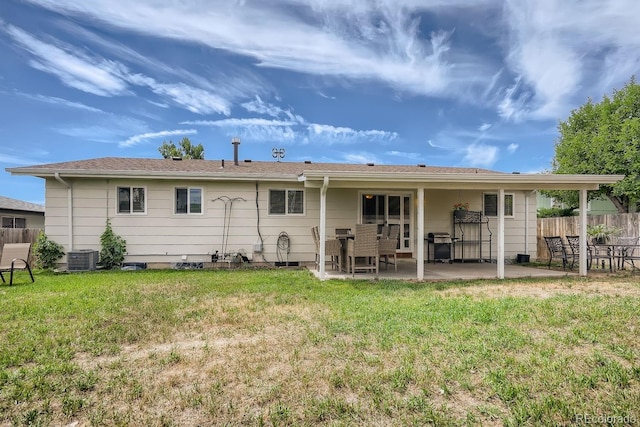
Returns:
(82, 260)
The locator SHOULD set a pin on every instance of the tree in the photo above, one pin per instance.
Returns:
(603, 138)
(186, 150)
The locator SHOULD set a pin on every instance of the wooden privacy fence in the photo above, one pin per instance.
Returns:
(628, 224)
(18, 235)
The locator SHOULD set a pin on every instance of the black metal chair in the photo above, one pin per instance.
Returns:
(627, 251)
(574, 248)
(557, 250)
(599, 253)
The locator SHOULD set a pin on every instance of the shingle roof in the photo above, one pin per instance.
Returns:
(19, 205)
(113, 165)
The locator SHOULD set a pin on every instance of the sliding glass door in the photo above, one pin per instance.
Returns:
(389, 209)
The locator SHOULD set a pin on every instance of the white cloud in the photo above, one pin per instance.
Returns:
(136, 139)
(484, 126)
(260, 107)
(109, 78)
(343, 134)
(236, 123)
(512, 148)
(514, 104)
(562, 52)
(91, 75)
(60, 101)
(297, 130)
(481, 155)
(359, 158)
(193, 99)
(361, 40)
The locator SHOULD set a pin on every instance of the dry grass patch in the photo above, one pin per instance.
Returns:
(279, 348)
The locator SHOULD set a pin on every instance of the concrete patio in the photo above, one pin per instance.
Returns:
(445, 271)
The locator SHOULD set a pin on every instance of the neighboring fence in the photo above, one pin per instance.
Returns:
(629, 224)
(18, 235)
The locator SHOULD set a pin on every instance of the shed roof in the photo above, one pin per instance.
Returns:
(7, 203)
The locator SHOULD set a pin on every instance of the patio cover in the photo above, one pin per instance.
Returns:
(457, 181)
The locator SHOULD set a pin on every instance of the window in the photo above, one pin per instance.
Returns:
(491, 204)
(11, 222)
(188, 200)
(131, 200)
(286, 202)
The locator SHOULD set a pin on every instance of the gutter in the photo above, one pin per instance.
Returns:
(69, 208)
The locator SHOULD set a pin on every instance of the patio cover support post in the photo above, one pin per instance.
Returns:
(500, 254)
(582, 256)
(323, 225)
(420, 235)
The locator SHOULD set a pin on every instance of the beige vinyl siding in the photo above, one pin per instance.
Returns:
(438, 218)
(160, 235)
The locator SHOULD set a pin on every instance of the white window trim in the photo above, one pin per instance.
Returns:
(513, 204)
(131, 187)
(175, 197)
(286, 202)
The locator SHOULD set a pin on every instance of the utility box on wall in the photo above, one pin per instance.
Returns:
(82, 260)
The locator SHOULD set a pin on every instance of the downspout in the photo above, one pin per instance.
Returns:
(323, 224)
(69, 208)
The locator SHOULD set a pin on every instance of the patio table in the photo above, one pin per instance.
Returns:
(617, 253)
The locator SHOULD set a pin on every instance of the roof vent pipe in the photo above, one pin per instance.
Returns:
(235, 141)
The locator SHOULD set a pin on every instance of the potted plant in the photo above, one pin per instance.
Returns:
(460, 210)
(601, 234)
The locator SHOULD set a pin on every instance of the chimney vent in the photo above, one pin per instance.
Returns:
(222, 164)
(235, 141)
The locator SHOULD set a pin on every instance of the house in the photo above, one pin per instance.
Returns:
(175, 211)
(598, 206)
(19, 214)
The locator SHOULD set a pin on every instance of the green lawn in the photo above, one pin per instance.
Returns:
(277, 347)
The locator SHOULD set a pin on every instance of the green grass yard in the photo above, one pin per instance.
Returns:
(278, 348)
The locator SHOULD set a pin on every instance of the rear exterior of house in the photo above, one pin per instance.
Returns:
(250, 206)
(173, 211)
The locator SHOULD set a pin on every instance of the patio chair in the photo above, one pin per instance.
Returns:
(556, 249)
(15, 256)
(574, 249)
(627, 251)
(332, 248)
(388, 246)
(599, 254)
(363, 245)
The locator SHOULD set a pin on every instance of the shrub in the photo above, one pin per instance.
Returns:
(555, 212)
(113, 248)
(46, 252)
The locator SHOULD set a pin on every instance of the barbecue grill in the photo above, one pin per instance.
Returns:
(439, 247)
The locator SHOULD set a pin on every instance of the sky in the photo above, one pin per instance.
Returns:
(473, 83)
